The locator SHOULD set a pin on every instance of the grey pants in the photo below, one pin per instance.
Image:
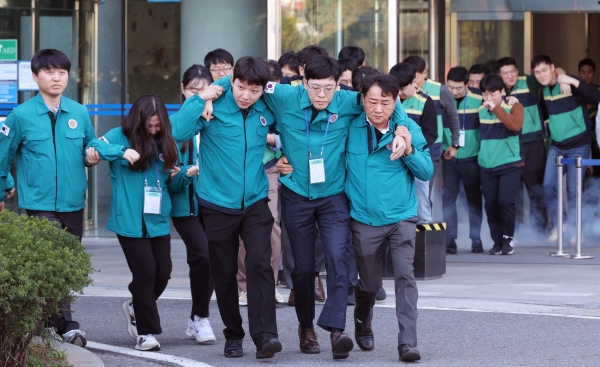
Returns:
(370, 246)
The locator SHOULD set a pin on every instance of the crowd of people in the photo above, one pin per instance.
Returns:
(273, 171)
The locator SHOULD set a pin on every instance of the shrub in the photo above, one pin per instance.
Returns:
(41, 266)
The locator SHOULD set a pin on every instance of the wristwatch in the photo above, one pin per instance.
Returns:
(456, 146)
(411, 152)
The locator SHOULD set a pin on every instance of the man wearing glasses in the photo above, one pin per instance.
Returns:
(313, 125)
(219, 62)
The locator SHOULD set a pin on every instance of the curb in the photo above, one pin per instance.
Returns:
(80, 357)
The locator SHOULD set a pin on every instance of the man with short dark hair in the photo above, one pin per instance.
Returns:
(383, 208)
(526, 90)
(445, 111)
(347, 68)
(476, 73)
(48, 135)
(463, 166)
(587, 70)
(233, 191)
(289, 64)
(421, 109)
(570, 129)
(219, 62)
(353, 52)
(500, 161)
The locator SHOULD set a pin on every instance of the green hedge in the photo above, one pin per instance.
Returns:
(40, 265)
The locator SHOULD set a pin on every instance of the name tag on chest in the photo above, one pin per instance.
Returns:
(152, 200)
(317, 170)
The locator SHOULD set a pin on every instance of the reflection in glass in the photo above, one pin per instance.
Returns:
(485, 41)
(334, 24)
(414, 28)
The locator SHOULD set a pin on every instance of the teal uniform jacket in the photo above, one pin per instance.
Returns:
(10, 182)
(289, 104)
(232, 175)
(127, 203)
(50, 167)
(184, 203)
(381, 191)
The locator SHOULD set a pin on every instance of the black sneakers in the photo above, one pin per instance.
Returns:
(507, 248)
(496, 250)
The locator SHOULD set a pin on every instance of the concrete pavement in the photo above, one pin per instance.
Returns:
(526, 308)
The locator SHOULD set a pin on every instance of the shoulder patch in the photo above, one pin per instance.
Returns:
(270, 87)
(4, 129)
(263, 121)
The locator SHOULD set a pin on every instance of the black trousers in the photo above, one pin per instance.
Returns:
(73, 222)
(467, 172)
(500, 193)
(149, 260)
(223, 231)
(192, 233)
(534, 155)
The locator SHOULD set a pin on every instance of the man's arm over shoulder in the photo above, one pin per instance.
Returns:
(419, 161)
(188, 120)
(512, 121)
(586, 93)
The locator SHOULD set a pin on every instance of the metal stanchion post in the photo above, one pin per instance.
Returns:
(559, 219)
(578, 170)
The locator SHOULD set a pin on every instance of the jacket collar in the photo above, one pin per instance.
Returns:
(41, 108)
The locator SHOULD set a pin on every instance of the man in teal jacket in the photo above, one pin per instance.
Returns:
(48, 135)
(313, 125)
(233, 191)
(383, 207)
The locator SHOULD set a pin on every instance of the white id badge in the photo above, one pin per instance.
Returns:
(461, 138)
(317, 170)
(152, 199)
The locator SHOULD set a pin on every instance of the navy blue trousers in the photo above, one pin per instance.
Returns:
(332, 215)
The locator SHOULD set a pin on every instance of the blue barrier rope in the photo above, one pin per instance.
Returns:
(584, 162)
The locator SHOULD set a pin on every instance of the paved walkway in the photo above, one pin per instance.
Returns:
(483, 309)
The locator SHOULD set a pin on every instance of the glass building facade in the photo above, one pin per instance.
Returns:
(123, 49)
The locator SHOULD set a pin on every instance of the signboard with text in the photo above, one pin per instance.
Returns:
(8, 50)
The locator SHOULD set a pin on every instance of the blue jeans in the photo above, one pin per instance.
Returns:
(550, 181)
(422, 192)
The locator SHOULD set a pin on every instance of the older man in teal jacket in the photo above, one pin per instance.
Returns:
(383, 208)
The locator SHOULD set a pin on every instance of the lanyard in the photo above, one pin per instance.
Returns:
(308, 131)
(157, 178)
(464, 112)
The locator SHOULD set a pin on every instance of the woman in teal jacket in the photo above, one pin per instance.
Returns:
(188, 223)
(142, 155)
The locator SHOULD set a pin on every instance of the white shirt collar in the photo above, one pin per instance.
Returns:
(383, 131)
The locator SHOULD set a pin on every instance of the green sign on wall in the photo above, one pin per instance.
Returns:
(8, 50)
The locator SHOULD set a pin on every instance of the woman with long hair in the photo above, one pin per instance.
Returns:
(187, 221)
(142, 156)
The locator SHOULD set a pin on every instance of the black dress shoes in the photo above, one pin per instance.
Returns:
(408, 353)
(268, 347)
(233, 349)
(364, 337)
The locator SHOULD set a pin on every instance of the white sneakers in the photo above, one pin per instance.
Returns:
(243, 301)
(147, 343)
(554, 234)
(278, 297)
(201, 330)
(130, 316)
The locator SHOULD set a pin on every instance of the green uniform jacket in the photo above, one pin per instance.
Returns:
(382, 191)
(127, 203)
(232, 174)
(184, 203)
(500, 147)
(468, 117)
(433, 90)
(50, 168)
(10, 182)
(533, 128)
(570, 122)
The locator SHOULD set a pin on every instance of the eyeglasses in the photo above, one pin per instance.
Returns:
(218, 71)
(326, 90)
